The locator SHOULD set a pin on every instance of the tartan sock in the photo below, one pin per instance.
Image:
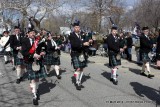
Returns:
(18, 69)
(56, 67)
(5, 58)
(148, 67)
(80, 77)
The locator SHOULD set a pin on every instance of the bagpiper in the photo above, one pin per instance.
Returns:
(33, 50)
(77, 54)
(52, 57)
(145, 47)
(114, 53)
(15, 42)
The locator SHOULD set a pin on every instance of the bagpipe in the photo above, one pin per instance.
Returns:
(37, 63)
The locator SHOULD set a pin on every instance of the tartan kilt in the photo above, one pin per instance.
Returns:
(113, 61)
(35, 75)
(77, 64)
(8, 53)
(50, 60)
(18, 61)
(145, 57)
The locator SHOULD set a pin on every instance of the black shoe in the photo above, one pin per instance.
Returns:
(82, 86)
(58, 77)
(18, 81)
(21, 79)
(6, 62)
(150, 75)
(115, 82)
(35, 101)
(111, 79)
(78, 87)
(13, 69)
(143, 74)
(48, 75)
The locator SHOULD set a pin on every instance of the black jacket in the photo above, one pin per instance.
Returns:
(49, 46)
(26, 46)
(145, 44)
(76, 43)
(113, 44)
(14, 42)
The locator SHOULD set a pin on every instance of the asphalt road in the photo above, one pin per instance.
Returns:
(132, 90)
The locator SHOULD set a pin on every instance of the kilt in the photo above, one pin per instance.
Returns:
(77, 64)
(113, 61)
(35, 75)
(50, 60)
(8, 53)
(18, 61)
(145, 57)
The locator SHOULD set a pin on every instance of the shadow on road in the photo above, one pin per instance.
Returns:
(136, 71)
(45, 87)
(106, 74)
(150, 93)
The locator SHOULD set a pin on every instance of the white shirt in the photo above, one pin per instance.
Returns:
(3, 41)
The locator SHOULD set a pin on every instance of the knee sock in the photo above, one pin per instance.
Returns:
(18, 69)
(5, 58)
(76, 75)
(56, 67)
(148, 67)
(114, 73)
(81, 75)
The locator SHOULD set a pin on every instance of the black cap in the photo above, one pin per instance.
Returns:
(30, 30)
(6, 32)
(76, 23)
(114, 28)
(16, 27)
(145, 28)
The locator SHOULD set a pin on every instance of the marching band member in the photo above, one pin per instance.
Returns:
(15, 42)
(52, 57)
(145, 48)
(7, 52)
(33, 51)
(77, 54)
(114, 53)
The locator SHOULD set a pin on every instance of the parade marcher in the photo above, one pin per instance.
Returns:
(77, 53)
(145, 47)
(7, 50)
(114, 53)
(15, 42)
(33, 50)
(52, 57)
